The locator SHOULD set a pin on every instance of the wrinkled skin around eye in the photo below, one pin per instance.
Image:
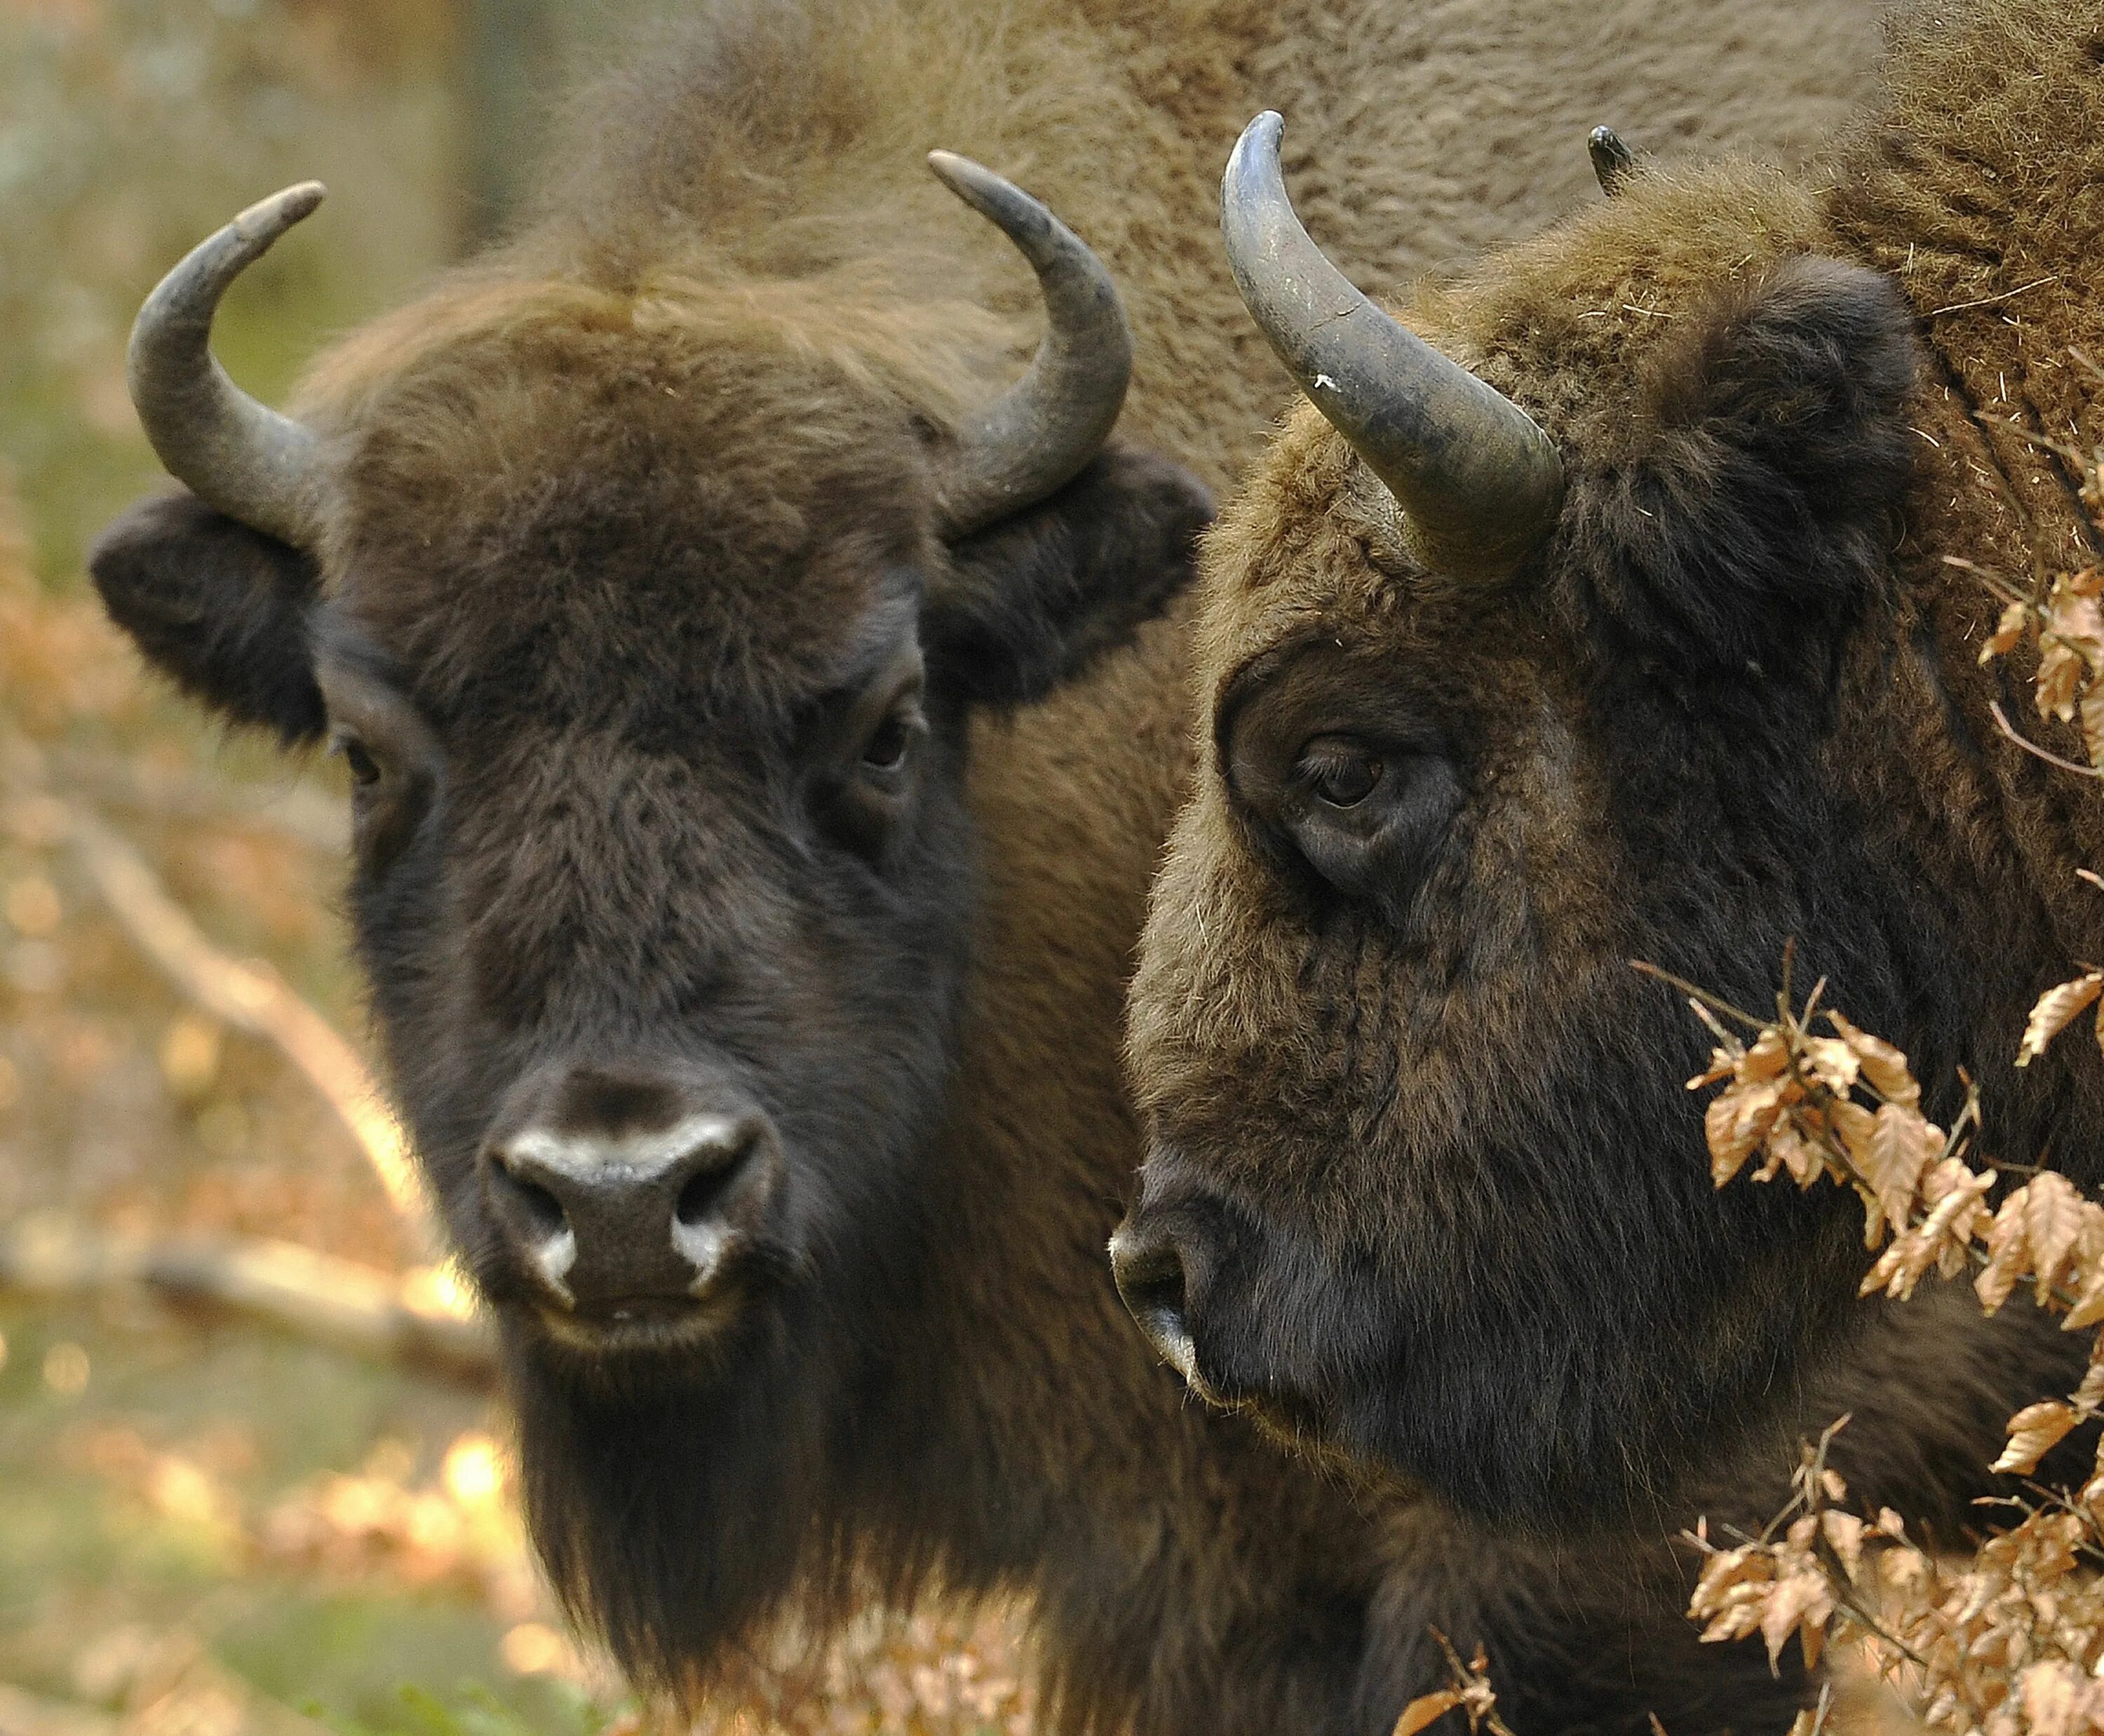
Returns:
(1349, 781)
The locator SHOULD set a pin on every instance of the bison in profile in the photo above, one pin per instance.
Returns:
(1619, 626)
(764, 713)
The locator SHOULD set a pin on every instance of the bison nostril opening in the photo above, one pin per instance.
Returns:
(698, 1199)
(543, 1213)
(1151, 1281)
(714, 1169)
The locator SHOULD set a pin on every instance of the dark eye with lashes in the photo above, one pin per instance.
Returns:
(1339, 771)
(364, 768)
(887, 748)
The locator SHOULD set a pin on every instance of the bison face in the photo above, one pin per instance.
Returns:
(664, 886)
(1424, 1187)
(663, 877)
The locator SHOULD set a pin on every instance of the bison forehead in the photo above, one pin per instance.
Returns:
(534, 507)
(1568, 325)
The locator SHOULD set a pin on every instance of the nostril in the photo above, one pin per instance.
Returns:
(713, 1167)
(698, 1199)
(542, 1214)
(1151, 1280)
(535, 1222)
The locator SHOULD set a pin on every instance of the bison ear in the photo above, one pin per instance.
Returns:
(225, 611)
(1771, 460)
(1029, 602)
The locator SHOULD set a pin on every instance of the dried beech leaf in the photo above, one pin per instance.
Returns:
(1425, 1710)
(2008, 632)
(2090, 1393)
(1834, 1062)
(2091, 714)
(1722, 1065)
(2061, 670)
(2008, 1253)
(1787, 1147)
(1799, 1604)
(1844, 1532)
(1942, 1238)
(2051, 1693)
(2073, 617)
(1728, 1151)
(2033, 1432)
(1738, 1119)
(2087, 1311)
(2052, 1218)
(1768, 1059)
(2055, 1007)
(1901, 1266)
(1884, 1068)
(1901, 1143)
(1957, 1208)
(1852, 1125)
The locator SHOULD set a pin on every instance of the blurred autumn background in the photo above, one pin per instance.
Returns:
(250, 1476)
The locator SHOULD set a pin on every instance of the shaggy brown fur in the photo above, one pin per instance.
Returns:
(624, 508)
(1440, 1198)
(760, 170)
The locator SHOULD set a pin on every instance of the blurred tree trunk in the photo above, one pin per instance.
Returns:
(520, 55)
(514, 50)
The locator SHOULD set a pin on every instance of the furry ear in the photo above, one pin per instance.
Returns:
(1030, 602)
(223, 610)
(1772, 454)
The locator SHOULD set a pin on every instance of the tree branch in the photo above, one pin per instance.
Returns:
(422, 1319)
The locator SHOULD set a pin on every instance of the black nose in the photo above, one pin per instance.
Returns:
(611, 1200)
(1147, 1262)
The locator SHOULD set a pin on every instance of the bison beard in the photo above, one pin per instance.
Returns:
(1425, 1186)
(664, 1514)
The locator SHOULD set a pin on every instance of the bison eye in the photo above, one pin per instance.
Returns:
(1339, 771)
(887, 748)
(364, 768)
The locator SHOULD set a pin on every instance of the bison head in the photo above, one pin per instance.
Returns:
(1495, 700)
(650, 618)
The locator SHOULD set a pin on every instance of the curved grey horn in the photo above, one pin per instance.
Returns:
(249, 461)
(1477, 482)
(1040, 432)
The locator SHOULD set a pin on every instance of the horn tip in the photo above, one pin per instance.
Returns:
(1024, 219)
(960, 175)
(1257, 145)
(1612, 159)
(269, 218)
(973, 182)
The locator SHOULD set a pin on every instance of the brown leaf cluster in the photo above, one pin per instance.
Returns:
(2009, 1644)
(1846, 1106)
(2068, 626)
(2062, 612)
(2010, 1641)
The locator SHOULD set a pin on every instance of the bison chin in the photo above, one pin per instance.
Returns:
(1516, 1409)
(624, 1469)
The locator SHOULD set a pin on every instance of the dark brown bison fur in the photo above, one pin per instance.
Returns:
(227, 620)
(1436, 1124)
(624, 510)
